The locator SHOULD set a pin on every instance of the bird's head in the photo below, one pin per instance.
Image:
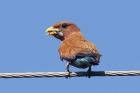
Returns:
(62, 30)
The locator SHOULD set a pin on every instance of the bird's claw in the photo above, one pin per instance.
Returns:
(88, 73)
(68, 74)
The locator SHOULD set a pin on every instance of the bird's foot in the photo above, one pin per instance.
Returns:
(68, 74)
(88, 72)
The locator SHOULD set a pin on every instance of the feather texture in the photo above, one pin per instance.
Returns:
(79, 51)
(74, 47)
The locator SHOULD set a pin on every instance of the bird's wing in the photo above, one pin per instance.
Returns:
(77, 46)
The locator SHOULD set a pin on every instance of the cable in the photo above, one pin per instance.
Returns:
(72, 74)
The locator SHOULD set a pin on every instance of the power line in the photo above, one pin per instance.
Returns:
(73, 74)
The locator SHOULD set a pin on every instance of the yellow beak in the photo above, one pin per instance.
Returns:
(52, 31)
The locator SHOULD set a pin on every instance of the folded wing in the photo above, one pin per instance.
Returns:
(76, 46)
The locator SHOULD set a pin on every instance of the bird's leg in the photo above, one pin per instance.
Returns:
(88, 72)
(67, 70)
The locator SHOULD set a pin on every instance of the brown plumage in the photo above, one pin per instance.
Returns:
(76, 43)
(74, 47)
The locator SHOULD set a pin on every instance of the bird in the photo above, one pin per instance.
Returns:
(74, 48)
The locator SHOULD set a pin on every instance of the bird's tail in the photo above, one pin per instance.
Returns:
(85, 61)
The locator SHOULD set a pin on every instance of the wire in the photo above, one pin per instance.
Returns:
(72, 74)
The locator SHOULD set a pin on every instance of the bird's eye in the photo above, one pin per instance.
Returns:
(64, 25)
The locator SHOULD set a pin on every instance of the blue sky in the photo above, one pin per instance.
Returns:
(113, 25)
